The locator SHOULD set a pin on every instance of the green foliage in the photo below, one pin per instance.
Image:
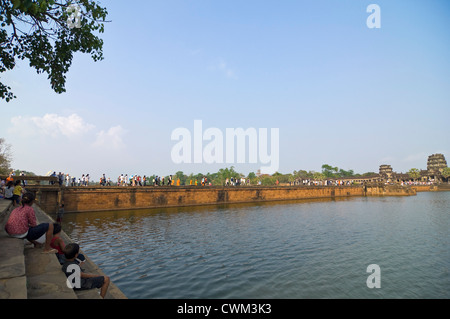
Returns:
(39, 31)
(414, 173)
(219, 178)
(319, 176)
(302, 174)
(5, 157)
(18, 172)
(336, 172)
(329, 171)
(368, 174)
(446, 172)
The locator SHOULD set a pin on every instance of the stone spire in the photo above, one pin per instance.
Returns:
(436, 163)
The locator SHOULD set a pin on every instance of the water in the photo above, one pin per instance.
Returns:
(318, 249)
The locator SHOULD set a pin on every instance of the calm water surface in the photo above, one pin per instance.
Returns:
(318, 249)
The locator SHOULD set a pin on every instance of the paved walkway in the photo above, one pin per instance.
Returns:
(27, 273)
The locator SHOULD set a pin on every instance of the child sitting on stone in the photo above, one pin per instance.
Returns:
(58, 243)
(87, 281)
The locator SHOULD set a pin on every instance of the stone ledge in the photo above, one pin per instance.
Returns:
(45, 280)
(13, 281)
(12, 262)
(13, 288)
(113, 291)
(27, 273)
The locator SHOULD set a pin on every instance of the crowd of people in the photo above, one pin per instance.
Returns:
(410, 183)
(237, 181)
(124, 180)
(312, 182)
(67, 180)
(138, 180)
(12, 190)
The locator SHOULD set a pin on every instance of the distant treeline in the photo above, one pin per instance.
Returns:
(220, 177)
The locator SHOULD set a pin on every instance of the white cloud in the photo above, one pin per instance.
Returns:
(51, 125)
(223, 67)
(111, 139)
(71, 127)
(195, 52)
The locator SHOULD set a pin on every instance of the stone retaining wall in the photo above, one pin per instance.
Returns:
(117, 198)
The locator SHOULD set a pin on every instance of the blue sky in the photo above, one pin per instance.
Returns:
(339, 92)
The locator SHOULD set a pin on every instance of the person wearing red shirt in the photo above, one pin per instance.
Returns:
(22, 224)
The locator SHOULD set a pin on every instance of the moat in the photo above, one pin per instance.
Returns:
(296, 249)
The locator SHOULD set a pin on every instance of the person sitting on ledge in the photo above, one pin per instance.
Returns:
(87, 281)
(58, 243)
(22, 224)
(9, 189)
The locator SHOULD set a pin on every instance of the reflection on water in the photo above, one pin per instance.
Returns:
(299, 249)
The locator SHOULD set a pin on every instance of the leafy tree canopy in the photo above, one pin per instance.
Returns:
(446, 172)
(17, 172)
(335, 172)
(5, 157)
(47, 33)
(414, 173)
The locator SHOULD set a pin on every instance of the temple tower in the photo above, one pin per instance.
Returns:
(386, 171)
(436, 163)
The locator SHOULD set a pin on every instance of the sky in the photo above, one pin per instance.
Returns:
(339, 92)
